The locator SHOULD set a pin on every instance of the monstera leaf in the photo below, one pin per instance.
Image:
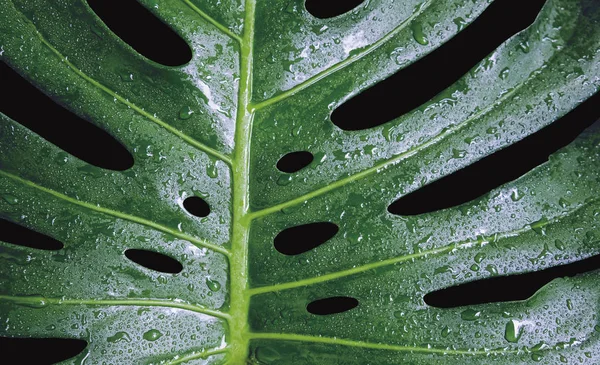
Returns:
(310, 266)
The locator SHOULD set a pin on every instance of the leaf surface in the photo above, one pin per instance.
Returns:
(263, 81)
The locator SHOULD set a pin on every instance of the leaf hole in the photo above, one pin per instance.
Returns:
(40, 351)
(324, 9)
(397, 95)
(507, 288)
(332, 305)
(143, 31)
(294, 161)
(303, 238)
(58, 125)
(196, 206)
(154, 261)
(500, 167)
(21, 236)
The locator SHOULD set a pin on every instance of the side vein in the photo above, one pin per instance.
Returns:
(344, 63)
(377, 346)
(435, 251)
(114, 213)
(142, 112)
(200, 355)
(386, 163)
(41, 301)
(212, 21)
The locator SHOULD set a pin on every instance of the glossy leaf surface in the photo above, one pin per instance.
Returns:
(262, 83)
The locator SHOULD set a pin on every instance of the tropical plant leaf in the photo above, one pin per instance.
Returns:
(267, 75)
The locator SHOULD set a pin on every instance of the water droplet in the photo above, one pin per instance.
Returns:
(319, 29)
(118, 337)
(524, 46)
(152, 335)
(126, 76)
(470, 315)
(33, 301)
(479, 257)
(537, 357)
(213, 285)
(564, 203)
(212, 171)
(96, 30)
(185, 113)
(460, 23)
(61, 158)
(442, 269)
(458, 153)
(446, 331)
(570, 304)
(516, 195)
(513, 331)
(418, 35)
(10, 199)
(539, 226)
(267, 354)
(284, 180)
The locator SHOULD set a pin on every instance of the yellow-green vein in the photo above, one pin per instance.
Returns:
(41, 301)
(338, 66)
(142, 112)
(212, 21)
(117, 214)
(395, 260)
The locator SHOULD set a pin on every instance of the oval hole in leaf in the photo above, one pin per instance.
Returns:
(300, 239)
(500, 167)
(18, 235)
(331, 305)
(324, 9)
(506, 288)
(394, 96)
(196, 206)
(154, 261)
(40, 351)
(58, 125)
(294, 161)
(143, 31)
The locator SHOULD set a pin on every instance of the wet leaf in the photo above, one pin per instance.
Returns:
(262, 83)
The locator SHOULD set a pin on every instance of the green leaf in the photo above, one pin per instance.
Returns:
(263, 80)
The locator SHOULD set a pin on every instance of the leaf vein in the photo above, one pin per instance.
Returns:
(483, 240)
(97, 208)
(214, 22)
(118, 302)
(188, 139)
(340, 65)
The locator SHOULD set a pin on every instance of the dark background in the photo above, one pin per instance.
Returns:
(426, 78)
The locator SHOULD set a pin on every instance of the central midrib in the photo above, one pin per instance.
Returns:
(238, 264)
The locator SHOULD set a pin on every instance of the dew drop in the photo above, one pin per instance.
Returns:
(213, 285)
(33, 301)
(470, 315)
(516, 195)
(152, 335)
(126, 76)
(185, 113)
(10, 199)
(284, 180)
(418, 35)
(119, 337)
(536, 357)
(267, 355)
(513, 331)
